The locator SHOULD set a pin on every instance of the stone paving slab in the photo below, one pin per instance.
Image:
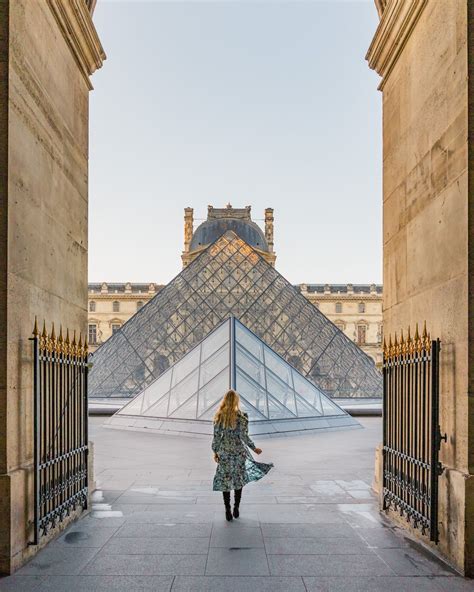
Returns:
(146, 565)
(312, 546)
(237, 561)
(238, 584)
(329, 565)
(312, 525)
(373, 584)
(157, 546)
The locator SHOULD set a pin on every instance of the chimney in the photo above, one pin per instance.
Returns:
(269, 228)
(188, 228)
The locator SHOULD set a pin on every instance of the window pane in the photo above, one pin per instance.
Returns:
(250, 366)
(157, 390)
(185, 366)
(249, 342)
(277, 411)
(305, 409)
(307, 391)
(187, 409)
(215, 341)
(213, 365)
(281, 391)
(213, 392)
(278, 366)
(183, 391)
(329, 408)
(159, 409)
(254, 394)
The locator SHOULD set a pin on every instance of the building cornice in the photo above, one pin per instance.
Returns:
(380, 5)
(74, 19)
(397, 22)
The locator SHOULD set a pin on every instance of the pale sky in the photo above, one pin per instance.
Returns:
(261, 103)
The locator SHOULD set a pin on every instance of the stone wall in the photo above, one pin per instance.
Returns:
(420, 49)
(43, 259)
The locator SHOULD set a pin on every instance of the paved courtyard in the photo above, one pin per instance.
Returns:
(311, 525)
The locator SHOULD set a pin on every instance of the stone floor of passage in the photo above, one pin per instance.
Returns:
(311, 525)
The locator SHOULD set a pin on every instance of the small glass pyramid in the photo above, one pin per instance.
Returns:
(231, 356)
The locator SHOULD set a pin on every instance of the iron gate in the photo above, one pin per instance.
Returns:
(60, 428)
(411, 432)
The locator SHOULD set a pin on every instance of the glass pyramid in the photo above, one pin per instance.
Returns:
(231, 356)
(231, 279)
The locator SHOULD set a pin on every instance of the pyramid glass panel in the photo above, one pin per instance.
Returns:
(228, 279)
(268, 392)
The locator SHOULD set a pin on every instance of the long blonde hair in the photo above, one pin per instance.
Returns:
(228, 410)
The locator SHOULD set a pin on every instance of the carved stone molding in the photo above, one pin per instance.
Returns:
(398, 20)
(75, 23)
(380, 5)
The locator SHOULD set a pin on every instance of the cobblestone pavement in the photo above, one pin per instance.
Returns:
(311, 525)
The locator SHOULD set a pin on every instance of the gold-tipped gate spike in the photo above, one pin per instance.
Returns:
(35, 328)
(60, 340)
(67, 343)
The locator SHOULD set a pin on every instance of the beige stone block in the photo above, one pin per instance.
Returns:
(394, 213)
(437, 241)
(394, 269)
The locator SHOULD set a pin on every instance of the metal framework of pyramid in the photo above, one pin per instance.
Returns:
(276, 397)
(231, 279)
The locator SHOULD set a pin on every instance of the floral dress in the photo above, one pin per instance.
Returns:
(236, 466)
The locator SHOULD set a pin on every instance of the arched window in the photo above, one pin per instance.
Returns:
(340, 325)
(92, 306)
(139, 304)
(116, 306)
(338, 306)
(115, 328)
(361, 306)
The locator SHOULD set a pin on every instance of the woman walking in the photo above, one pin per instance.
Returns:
(235, 465)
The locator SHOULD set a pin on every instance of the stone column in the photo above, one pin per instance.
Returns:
(421, 50)
(48, 50)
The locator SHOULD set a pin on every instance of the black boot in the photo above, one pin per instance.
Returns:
(228, 511)
(237, 497)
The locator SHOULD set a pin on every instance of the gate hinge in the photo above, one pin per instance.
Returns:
(440, 468)
(440, 437)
